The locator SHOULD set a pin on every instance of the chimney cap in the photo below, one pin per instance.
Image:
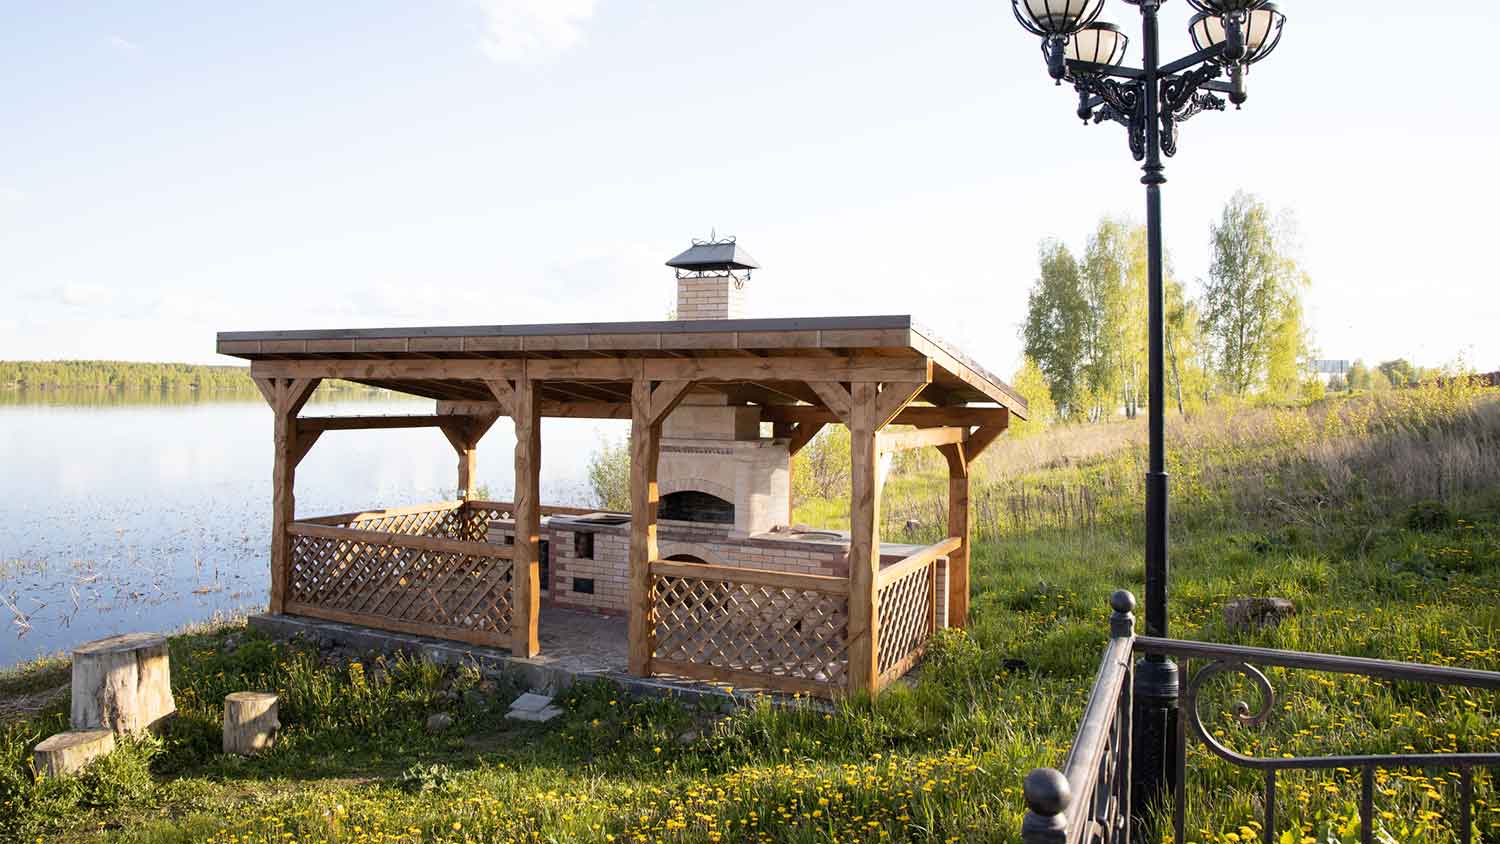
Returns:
(714, 255)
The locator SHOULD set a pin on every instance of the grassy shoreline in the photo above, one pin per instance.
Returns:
(1273, 502)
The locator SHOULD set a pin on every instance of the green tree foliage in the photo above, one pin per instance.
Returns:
(123, 375)
(1057, 325)
(821, 469)
(1114, 291)
(1252, 300)
(1189, 355)
(1399, 372)
(1031, 383)
(133, 377)
(1359, 377)
(609, 474)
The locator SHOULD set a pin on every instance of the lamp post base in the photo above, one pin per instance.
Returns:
(1153, 740)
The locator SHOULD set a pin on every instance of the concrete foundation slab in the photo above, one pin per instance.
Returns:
(574, 646)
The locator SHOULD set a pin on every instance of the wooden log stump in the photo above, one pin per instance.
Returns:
(123, 683)
(67, 752)
(250, 722)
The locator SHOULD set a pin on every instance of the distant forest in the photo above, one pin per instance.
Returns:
(126, 376)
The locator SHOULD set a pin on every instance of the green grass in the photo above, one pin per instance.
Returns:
(1376, 568)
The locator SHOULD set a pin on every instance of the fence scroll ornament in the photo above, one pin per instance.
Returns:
(1058, 814)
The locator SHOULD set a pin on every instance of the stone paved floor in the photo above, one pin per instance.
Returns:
(581, 642)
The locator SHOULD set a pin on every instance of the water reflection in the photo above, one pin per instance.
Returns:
(129, 512)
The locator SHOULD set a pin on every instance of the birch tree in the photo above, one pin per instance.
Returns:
(1252, 299)
(1056, 326)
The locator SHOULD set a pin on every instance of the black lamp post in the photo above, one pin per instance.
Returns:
(1150, 102)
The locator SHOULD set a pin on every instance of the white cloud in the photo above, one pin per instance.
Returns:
(532, 31)
(123, 44)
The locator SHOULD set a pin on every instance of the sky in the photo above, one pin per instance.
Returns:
(170, 170)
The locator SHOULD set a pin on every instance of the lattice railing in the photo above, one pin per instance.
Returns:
(750, 627)
(443, 519)
(908, 613)
(411, 584)
(908, 601)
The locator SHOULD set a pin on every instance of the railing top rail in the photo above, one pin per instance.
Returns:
(1049, 793)
(397, 540)
(545, 509)
(1385, 669)
(923, 557)
(760, 577)
(359, 515)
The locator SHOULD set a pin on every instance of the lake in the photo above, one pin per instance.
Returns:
(119, 514)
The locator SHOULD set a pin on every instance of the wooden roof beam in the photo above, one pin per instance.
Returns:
(921, 417)
(863, 368)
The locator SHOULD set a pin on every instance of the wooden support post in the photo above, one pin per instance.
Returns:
(526, 582)
(463, 434)
(648, 408)
(645, 448)
(286, 397)
(866, 407)
(864, 542)
(958, 526)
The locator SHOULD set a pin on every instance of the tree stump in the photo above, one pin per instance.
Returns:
(250, 722)
(65, 753)
(123, 683)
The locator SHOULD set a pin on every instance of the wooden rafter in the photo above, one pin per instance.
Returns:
(921, 438)
(835, 398)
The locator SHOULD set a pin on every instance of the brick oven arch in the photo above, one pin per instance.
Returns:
(696, 485)
(667, 548)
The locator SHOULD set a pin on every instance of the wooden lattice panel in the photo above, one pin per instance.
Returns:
(908, 614)
(444, 521)
(786, 634)
(476, 517)
(434, 587)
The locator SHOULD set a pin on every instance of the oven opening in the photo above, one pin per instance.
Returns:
(694, 506)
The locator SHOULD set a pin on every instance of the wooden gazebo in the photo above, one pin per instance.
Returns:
(428, 569)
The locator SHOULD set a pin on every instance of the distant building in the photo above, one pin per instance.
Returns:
(1327, 369)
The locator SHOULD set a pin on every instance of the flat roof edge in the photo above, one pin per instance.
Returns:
(688, 326)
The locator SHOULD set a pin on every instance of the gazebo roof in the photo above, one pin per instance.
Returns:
(764, 361)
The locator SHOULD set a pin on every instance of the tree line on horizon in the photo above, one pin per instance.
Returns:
(132, 376)
(1242, 337)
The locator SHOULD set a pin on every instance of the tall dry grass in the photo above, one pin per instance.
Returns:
(1342, 459)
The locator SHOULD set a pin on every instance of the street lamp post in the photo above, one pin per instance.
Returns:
(1151, 102)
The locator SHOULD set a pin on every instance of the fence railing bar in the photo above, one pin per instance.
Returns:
(1367, 805)
(1090, 745)
(1466, 804)
(1384, 669)
(1268, 828)
(1053, 816)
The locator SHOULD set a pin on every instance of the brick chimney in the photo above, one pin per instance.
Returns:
(711, 277)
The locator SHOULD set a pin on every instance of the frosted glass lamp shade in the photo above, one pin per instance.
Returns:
(1099, 43)
(1056, 17)
(1262, 32)
(1219, 7)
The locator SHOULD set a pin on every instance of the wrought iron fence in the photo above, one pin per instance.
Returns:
(1088, 801)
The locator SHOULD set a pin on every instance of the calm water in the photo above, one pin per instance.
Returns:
(120, 516)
